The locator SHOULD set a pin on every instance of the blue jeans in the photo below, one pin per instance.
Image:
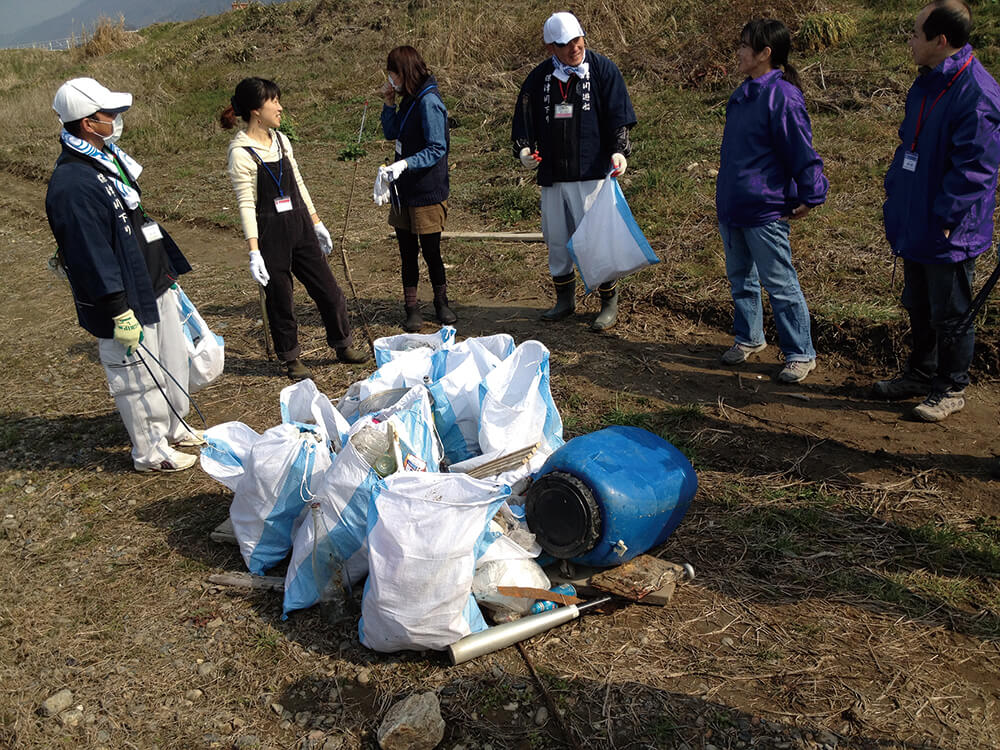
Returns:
(937, 297)
(762, 255)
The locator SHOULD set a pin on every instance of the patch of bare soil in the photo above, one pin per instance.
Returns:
(838, 601)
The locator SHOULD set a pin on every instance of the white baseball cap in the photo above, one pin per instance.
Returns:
(561, 27)
(82, 97)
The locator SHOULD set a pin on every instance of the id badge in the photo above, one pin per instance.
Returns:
(564, 111)
(151, 231)
(910, 161)
(399, 148)
(281, 205)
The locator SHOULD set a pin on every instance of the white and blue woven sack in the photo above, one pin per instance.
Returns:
(425, 533)
(275, 489)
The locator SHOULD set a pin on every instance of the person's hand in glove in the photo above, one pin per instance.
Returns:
(128, 331)
(325, 241)
(396, 169)
(529, 159)
(381, 193)
(257, 268)
(618, 165)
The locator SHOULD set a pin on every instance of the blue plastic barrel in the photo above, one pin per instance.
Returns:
(606, 497)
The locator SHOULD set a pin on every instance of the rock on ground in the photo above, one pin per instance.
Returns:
(56, 704)
(414, 723)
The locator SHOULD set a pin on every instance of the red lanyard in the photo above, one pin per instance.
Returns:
(563, 91)
(920, 117)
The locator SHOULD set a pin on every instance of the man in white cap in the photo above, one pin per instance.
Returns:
(122, 268)
(572, 123)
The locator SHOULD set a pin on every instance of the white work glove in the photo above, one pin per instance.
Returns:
(381, 193)
(257, 268)
(396, 169)
(618, 164)
(325, 241)
(529, 159)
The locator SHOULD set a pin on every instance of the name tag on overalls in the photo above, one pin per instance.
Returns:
(281, 205)
(564, 111)
(399, 148)
(910, 161)
(151, 231)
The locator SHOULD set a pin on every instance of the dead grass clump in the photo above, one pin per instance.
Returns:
(822, 30)
(108, 36)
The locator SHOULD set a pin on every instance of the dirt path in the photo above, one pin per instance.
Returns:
(806, 492)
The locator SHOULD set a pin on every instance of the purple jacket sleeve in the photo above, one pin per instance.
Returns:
(974, 162)
(792, 134)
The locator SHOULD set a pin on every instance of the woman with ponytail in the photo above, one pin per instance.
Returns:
(769, 174)
(283, 232)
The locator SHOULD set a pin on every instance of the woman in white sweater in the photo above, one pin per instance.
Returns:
(283, 232)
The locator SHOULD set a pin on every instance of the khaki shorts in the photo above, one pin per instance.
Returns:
(419, 219)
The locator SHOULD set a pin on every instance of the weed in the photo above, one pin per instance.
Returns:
(267, 639)
(352, 153)
(822, 30)
(108, 36)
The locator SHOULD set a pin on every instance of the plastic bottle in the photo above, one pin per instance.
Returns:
(544, 605)
(328, 570)
(374, 446)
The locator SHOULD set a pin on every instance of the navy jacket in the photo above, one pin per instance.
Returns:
(768, 165)
(101, 244)
(955, 181)
(421, 127)
(602, 107)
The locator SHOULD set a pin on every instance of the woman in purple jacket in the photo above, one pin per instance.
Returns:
(769, 174)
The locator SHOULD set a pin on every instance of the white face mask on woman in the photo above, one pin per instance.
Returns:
(395, 86)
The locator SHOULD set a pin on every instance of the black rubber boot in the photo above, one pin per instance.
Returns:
(565, 298)
(297, 371)
(445, 315)
(609, 307)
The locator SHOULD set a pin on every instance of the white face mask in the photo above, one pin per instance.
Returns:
(116, 130)
(395, 86)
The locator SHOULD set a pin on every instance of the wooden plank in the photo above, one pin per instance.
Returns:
(638, 578)
(581, 580)
(496, 236)
(224, 533)
(248, 581)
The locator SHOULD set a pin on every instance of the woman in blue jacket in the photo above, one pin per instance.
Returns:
(418, 177)
(769, 174)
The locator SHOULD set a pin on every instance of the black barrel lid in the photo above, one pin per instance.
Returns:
(563, 514)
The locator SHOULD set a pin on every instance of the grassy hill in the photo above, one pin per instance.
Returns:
(678, 59)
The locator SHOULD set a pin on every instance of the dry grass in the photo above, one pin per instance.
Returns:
(107, 36)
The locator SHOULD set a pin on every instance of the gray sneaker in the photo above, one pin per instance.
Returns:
(937, 406)
(795, 372)
(739, 353)
(904, 385)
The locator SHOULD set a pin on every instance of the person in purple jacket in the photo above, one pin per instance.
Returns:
(940, 194)
(769, 174)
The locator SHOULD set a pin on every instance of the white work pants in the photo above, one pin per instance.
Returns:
(563, 206)
(152, 426)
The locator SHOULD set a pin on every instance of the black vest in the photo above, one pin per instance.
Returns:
(427, 186)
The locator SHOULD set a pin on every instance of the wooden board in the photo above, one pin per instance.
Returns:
(248, 581)
(223, 533)
(638, 578)
(581, 580)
